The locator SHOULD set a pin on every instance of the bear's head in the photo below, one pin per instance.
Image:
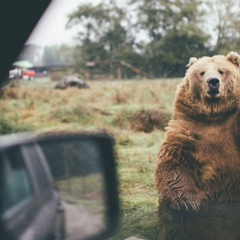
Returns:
(211, 85)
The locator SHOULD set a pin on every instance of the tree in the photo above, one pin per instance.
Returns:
(226, 25)
(174, 30)
(174, 50)
(157, 17)
(102, 33)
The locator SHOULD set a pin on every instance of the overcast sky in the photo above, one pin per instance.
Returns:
(51, 28)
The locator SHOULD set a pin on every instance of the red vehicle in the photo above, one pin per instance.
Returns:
(28, 74)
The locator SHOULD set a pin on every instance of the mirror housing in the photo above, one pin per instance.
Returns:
(94, 157)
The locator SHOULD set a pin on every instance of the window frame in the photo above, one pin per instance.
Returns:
(31, 157)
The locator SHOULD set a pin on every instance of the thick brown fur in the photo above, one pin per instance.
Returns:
(197, 173)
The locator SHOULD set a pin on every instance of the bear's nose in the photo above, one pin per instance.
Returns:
(213, 83)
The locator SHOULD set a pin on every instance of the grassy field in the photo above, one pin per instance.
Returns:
(135, 112)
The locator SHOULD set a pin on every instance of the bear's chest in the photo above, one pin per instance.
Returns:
(217, 145)
(219, 157)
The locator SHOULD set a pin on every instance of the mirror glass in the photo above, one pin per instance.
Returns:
(78, 174)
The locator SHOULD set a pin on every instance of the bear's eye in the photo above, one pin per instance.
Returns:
(221, 72)
(202, 73)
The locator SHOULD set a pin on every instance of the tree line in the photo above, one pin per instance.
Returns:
(156, 36)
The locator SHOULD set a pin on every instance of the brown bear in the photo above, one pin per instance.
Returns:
(197, 173)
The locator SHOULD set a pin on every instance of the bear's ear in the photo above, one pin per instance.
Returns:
(192, 60)
(234, 58)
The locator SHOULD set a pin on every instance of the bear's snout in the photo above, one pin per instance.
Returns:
(213, 84)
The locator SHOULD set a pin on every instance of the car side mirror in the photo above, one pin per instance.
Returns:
(65, 181)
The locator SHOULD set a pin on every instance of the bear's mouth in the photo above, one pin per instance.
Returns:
(213, 93)
(213, 86)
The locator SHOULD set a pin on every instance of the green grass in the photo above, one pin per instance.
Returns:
(12, 125)
(130, 110)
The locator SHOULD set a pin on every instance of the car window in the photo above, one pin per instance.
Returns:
(16, 182)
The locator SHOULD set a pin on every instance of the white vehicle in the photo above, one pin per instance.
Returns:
(14, 73)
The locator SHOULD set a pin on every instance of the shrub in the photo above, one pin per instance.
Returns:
(149, 120)
(141, 120)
